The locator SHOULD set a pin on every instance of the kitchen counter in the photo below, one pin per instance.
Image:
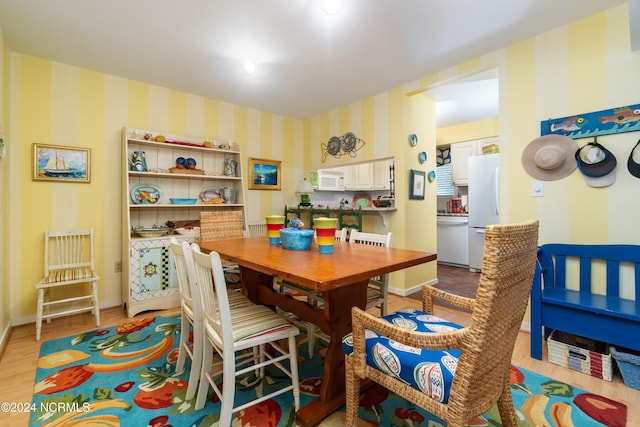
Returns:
(380, 211)
(453, 214)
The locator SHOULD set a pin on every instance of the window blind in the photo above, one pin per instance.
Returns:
(444, 183)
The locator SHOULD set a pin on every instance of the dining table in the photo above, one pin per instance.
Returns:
(341, 277)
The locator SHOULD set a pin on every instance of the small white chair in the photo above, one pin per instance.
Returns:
(231, 329)
(68, 260)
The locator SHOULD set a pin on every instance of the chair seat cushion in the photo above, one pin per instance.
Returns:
(250, 321)
(68, 274)
(231, 272)
(430, 371)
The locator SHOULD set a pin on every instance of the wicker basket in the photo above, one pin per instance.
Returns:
(628, 362)
(580, 354)
(221, 225)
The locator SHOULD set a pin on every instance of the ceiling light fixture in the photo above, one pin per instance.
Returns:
(331, 7)
(249, 68)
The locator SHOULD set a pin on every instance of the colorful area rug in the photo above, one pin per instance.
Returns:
(124, 376)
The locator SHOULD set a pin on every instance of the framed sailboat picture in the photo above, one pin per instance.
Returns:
(59, 163)
(264, 174)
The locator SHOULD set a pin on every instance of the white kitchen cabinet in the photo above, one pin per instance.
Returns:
(359, 177)
(460, 153)
(149, 281)
(381, 175)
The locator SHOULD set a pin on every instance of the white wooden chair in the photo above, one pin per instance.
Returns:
(190, 316)
(68, 260)
(256, 228)
(231, 329)
(377, 291)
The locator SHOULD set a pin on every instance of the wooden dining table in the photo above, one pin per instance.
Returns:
(341, 277)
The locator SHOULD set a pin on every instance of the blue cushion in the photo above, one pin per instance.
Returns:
(428, 370)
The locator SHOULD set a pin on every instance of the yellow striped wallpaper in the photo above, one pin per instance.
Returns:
(579, 68)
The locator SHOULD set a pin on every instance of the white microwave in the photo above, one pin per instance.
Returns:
(329, 180)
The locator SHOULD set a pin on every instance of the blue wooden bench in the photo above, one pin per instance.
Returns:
(607, 318)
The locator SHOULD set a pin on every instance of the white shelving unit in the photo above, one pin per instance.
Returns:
(149, 281)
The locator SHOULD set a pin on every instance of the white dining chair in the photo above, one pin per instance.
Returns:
(378, 288)
(192, 318)
(231, 331)
(190, 314)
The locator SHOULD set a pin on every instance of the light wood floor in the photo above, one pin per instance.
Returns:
(20, 355)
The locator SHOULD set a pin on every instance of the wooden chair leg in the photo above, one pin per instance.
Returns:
(184, 338)
(39, 313)
(96, 307)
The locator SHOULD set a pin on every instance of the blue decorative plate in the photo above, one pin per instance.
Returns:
(413, 139)
(422, 157)
(146, 194)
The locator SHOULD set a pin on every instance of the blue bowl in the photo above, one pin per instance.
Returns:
(183, 201)
(298, 239)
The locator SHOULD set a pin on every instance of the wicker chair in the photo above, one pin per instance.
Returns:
(485, 347)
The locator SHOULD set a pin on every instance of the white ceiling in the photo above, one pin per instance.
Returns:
(468, 99)
(308, 62)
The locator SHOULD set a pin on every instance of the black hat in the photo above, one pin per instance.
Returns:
(597, 164)
(632, 165)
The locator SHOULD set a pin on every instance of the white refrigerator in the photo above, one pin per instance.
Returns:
(484, 203)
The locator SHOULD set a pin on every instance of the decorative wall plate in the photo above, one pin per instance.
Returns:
(146, 194)
(413, 139)
(209, 193)
(422, 157)
(362, 200)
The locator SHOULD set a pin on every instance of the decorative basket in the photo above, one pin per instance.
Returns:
(580, 354)
(187, 171)
(628, 362)
(221, 225)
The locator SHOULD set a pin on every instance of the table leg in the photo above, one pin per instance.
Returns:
(337, 310)
(334, 318)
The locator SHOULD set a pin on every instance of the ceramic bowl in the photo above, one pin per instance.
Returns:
(191, 231)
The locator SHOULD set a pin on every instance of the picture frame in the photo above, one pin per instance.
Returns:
(265, 174)
(61, 163)
(416, 184)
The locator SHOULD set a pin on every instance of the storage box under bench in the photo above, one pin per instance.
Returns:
(580, 354)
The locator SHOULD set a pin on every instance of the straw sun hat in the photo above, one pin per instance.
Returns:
(550, 157)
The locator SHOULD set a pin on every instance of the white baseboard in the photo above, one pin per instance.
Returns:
(412, 290)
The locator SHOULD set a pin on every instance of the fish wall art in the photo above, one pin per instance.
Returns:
(605, 122)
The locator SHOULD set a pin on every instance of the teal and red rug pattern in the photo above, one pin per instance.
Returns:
(125, 376)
